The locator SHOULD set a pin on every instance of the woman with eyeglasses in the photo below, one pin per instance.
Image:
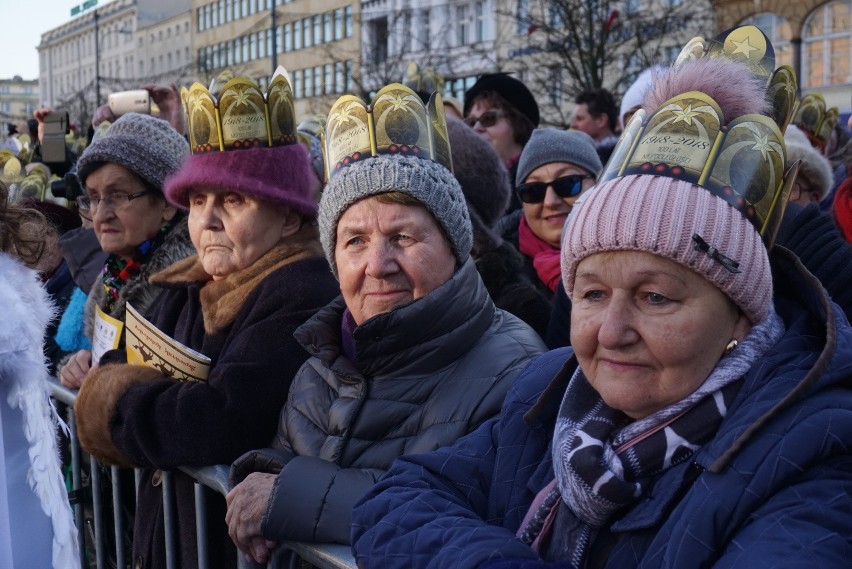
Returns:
(122, 173)
(503, 111)
(554, 169)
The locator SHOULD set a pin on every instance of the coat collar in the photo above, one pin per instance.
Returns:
(222, 300)
(420, 337)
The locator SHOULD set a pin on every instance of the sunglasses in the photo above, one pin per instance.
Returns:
(486, 119)
(564, 187)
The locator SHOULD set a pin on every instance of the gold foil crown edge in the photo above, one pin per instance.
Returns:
(396, 122)
(241, 116)
(687, 138)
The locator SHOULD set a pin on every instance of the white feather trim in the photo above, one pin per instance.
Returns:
(27, 312)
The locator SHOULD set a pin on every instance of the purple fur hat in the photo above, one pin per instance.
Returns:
(280, 175)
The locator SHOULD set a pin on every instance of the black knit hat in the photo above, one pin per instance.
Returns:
(515, 92)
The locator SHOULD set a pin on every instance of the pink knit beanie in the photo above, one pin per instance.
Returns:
(678, 221)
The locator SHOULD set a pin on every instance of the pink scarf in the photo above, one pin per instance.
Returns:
(545, 256)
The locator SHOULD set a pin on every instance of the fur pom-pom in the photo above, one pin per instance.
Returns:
(734, 87)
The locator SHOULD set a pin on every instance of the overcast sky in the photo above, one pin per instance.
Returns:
(23, 23)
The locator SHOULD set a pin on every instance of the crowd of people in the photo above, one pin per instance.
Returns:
(446, 342)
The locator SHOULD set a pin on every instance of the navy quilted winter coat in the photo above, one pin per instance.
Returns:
(772, 489)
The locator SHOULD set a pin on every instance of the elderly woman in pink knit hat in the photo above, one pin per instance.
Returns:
(702, 417)
(258, 274)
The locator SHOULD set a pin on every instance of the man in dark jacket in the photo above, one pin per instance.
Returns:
(412, 357)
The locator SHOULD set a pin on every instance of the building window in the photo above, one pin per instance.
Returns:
(318, 80)
(523, 17)
(462, 24)
(339, 78)
(309, 82)
(318, 30)
(347, 12)
(378, 30)
(481, 22)
(297, 84)
(348, 82)
(338, 24)
(327, 32)
(328, 79)
(252, 47)
(827, 45)
(288, 38)
(423, 30)
(199, 19)
(297, 35)
(306, 29)
(777, 29)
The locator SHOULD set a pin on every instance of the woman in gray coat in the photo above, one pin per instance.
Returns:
(412, 356)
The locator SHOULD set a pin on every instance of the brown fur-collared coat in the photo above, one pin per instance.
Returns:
(132, 415)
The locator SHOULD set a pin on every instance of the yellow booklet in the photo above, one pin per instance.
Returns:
(148, 346)
(107, 334)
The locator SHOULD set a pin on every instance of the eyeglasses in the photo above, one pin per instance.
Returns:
(564, 187)
(486, 119)
(87, 206)
(797, 191)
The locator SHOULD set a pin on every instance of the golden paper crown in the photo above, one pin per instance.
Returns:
(397, 122)
(423, 80)
(813, 117)
(687, 138)
(239, 115)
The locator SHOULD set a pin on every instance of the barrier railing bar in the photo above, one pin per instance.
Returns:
(323, 555)
(326, 555)
(169, 518)
(76, 483)
(97, 506)
(201, 525)
(120, 553)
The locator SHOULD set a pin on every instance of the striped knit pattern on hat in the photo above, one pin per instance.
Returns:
(147, 146)
(659, 215)
(426, 181)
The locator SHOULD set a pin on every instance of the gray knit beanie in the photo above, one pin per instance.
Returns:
(480, 172)
(548, 145)
(426, 181)
(147, 146)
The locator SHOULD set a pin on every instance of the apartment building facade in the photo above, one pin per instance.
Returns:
(109, 48)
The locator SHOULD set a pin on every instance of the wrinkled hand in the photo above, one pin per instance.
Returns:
(74, 371)
(247, 503)
(168, 100)
(39, 115)
(102, 114)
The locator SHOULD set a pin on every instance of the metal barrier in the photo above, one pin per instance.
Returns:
(322, 556)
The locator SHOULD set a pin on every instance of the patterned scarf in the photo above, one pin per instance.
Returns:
(603, 460)
(117, 270)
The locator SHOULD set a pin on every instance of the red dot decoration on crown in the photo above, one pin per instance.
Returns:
(403, 149)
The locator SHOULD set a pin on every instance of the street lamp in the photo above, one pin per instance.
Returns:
(98, 57)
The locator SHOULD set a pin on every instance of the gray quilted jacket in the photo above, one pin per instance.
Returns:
(426, 374)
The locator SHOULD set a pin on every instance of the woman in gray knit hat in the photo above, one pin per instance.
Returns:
(122, 173)
(556, 166)
(412, 356)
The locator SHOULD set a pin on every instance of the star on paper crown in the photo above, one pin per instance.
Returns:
(397, 122)
(742, 161)
(815, 119)
(239, 115)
